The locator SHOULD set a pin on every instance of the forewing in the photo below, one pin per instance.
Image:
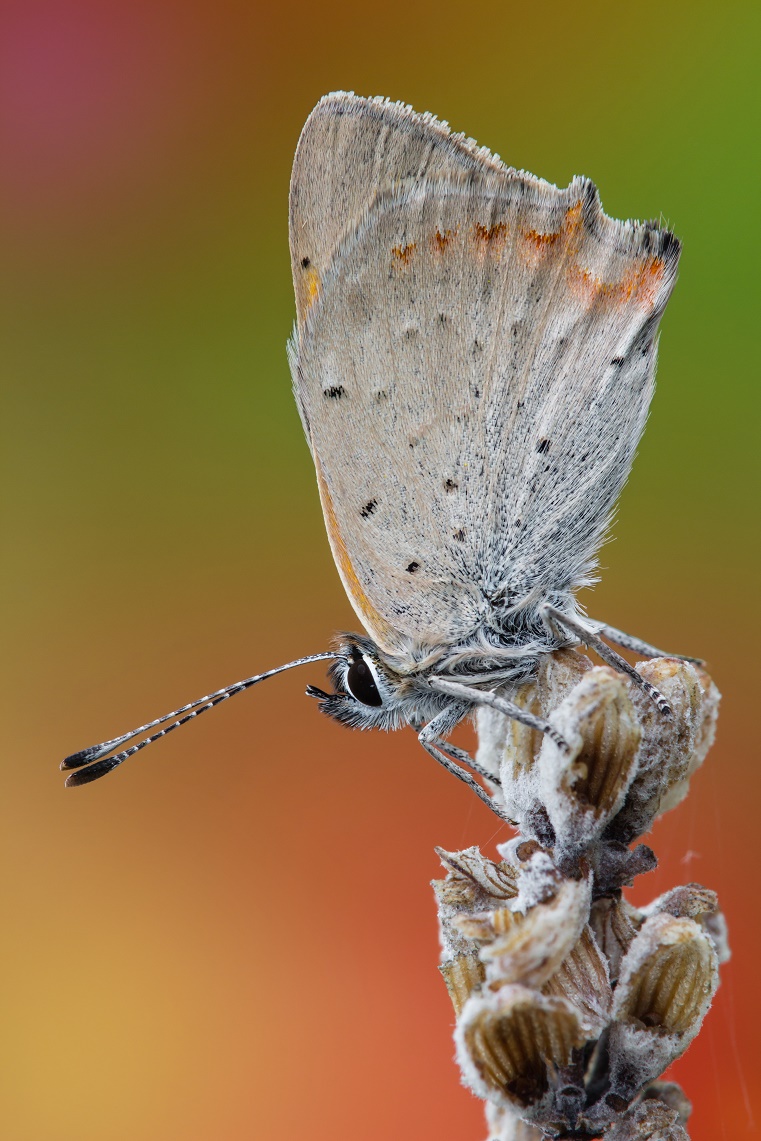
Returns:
(474, 377)
(350, 149)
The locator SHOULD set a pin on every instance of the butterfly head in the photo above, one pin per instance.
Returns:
(367, 694)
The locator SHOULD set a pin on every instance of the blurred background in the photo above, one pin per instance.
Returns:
(234, 936)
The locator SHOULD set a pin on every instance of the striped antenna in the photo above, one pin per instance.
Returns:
(96, 758)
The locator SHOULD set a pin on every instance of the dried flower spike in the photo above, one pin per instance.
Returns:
(569, 1001)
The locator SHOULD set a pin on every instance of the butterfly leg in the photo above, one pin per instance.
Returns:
(430, 738)
(592, 639)
(496, 701)
(637, 646)
(464, 758)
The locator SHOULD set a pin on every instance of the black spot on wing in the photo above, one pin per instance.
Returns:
(543, 446)
(412, 567)
(305, 263)
(335, 392)
(368, 509)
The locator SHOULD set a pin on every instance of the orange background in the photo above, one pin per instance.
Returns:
(234, 936)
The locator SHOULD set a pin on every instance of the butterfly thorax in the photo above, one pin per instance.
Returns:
(378, 689)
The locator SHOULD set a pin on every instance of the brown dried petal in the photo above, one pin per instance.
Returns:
(582, 979)
(671, 1095)
(505, 1042)
(648, 1121)
(472, 882)
(690, 901)
(470, 875)
(615, 923)
(463, 975)
(488, 924)
(583, 790)
(533, 950)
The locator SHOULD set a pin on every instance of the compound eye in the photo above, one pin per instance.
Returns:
(361, 683)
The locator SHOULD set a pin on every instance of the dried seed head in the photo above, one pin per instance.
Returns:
(672, 748)
(537, 876)
(506, 1041)
(583, 790)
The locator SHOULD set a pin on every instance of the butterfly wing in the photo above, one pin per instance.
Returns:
(349, 149)
(474, 373)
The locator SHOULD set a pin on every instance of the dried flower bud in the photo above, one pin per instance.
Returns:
(672, 748)
(506, 1041)
(534, 946)
(666, 984)
(509, 749)
(583, 790)
(693, 901)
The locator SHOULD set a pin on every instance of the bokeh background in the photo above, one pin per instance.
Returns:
(234, 936)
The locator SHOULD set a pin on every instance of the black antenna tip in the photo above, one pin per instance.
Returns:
(84, 776)
(313, 691)
(76, 760)
(93, 753)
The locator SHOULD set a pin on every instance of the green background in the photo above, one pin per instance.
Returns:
(234, 936)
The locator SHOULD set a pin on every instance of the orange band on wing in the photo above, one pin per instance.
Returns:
(374, 623)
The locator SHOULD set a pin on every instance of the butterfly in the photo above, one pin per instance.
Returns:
(473, 362)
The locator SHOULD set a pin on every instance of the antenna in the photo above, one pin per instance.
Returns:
(94, 753)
